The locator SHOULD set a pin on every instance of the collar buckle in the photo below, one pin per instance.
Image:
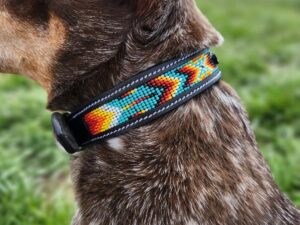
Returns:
(63, 133)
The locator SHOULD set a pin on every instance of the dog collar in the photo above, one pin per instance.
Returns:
(137, 101)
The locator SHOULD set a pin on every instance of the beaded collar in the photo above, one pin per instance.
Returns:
(137, 101)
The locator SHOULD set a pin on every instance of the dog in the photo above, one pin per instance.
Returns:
(198, 164)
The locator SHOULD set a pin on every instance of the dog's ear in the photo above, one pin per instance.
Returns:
(162, 17)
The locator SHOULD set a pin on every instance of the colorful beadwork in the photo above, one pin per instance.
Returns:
(150, 95)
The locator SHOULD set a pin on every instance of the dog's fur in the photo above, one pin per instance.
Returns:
(199, 164)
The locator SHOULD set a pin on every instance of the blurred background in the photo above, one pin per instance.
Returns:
(260, 59)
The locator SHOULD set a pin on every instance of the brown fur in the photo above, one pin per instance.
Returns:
(199, 164)
(24, 45)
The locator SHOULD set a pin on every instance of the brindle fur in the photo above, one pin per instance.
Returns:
(199, 165)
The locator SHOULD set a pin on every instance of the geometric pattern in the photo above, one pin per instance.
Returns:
(150, 95)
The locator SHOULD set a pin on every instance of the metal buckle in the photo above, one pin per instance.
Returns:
(63, 133)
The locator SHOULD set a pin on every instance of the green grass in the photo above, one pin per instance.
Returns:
(260, 58)
(34, 186)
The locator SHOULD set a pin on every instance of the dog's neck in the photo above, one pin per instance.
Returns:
(170, 31)
(197, 165)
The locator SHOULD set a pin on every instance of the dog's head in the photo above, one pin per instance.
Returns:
(57, 42)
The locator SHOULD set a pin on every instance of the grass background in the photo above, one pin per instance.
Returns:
(260, 58)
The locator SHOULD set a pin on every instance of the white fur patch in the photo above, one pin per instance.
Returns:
(201, 200)
(94, 223)
(192, 222)
(77, 218)
(116, 144)
(101, 163)
(232, 204)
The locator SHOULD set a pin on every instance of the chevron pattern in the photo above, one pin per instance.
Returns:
(147, 97)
